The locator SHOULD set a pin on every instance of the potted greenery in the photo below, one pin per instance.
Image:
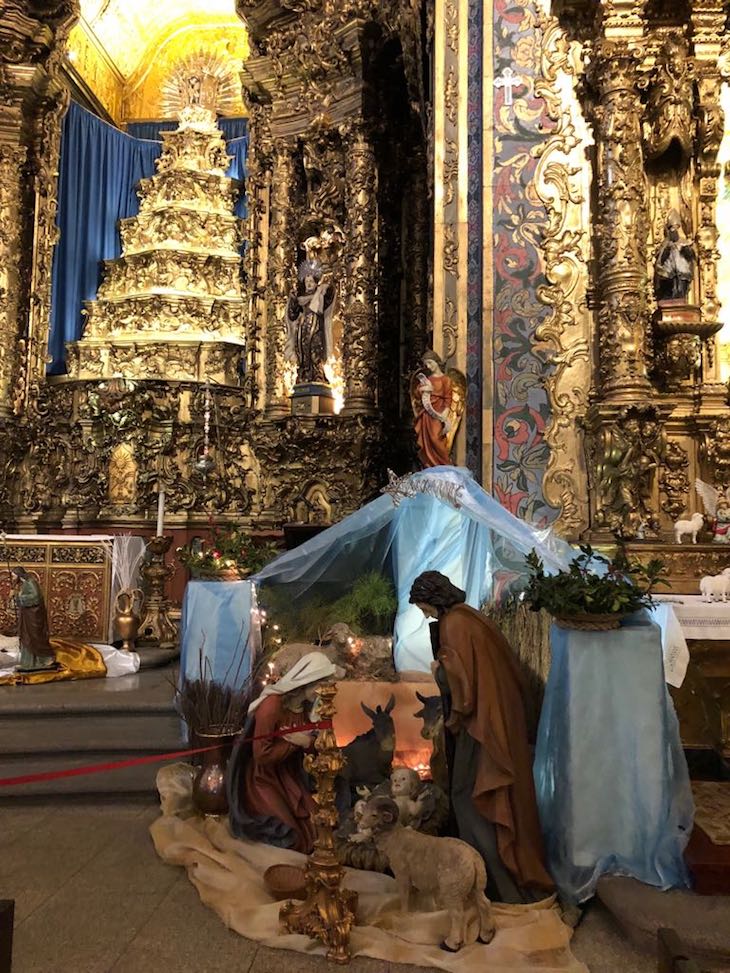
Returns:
(230, 555)
(595, 593)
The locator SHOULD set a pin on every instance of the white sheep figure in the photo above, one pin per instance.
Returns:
(448, 869)
(716, 587)
(692, 526)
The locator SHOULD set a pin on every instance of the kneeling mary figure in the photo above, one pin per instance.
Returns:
(268, 788)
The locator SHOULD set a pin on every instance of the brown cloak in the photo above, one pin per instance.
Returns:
(486, 696)
(274, 779)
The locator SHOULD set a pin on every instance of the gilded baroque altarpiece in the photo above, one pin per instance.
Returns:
(181, 329)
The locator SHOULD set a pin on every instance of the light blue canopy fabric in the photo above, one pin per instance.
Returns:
(217, 640)
(610, 774)
(443, 521)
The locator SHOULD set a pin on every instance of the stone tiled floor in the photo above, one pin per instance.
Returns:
(92, 897)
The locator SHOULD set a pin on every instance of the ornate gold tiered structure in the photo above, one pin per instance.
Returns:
(328, 912)
(171, 306)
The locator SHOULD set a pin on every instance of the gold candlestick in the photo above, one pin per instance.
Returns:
(328, 912)
(157, 629)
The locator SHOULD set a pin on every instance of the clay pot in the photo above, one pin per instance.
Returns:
(209, 786)
(127, 617)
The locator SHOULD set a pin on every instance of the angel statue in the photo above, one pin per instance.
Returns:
(309, 324)
(438, 401)
(717, 505)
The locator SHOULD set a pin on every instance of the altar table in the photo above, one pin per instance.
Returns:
(220, 631)
(703, 702)
(612, 782)
(76, 576)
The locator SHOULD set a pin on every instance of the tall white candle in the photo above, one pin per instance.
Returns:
(160, 512)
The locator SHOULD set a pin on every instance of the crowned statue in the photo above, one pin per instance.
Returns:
(674, 266)
(438, 399)
(309, 314)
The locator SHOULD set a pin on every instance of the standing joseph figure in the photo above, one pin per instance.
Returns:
(35, 646)
(490, 765)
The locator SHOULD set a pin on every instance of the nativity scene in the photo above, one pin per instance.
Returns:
(364, 470)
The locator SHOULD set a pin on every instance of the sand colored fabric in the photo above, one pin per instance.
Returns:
(712, 809)
(487, 702)
(228, 875)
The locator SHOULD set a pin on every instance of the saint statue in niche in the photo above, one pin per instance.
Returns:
(35, 646)
(309, 324)
(675, 261)
(438, 403)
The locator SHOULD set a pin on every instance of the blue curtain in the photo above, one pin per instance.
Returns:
(99, 170)
(232, 128)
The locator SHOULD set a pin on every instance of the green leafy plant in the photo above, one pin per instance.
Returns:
(593, 585)
(227, 550)
(369, 608)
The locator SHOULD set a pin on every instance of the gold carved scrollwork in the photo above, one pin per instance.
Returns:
(566, 332)
(280, 275)
(674, 480)
(12, 159)
(622, 280)
(359, 348)
(669, 116)
(625, 457)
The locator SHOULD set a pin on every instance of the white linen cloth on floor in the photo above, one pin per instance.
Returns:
(117, 663)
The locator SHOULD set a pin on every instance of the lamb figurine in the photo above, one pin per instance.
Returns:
(449, 869)
(692, 526)
(716, 587)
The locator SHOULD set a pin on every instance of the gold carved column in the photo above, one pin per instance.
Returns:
(359, 340)
(32, 100)
(708, 24)
(282, 248)
(450, 199)
(622, 223)
(12, 161)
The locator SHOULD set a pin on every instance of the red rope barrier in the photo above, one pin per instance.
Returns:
(153, 758)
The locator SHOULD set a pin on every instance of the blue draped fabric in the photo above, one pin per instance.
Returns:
(99, 170)
(424, 532)
(215, 627)
(151, 130)
(232, 128)
(611, 778)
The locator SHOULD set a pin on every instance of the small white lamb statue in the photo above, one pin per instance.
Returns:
(716, 587)
(692, 526)
(448, 869)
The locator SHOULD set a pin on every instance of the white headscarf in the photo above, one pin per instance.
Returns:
(312, 667)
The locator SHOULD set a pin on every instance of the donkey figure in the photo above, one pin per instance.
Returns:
(432, 714)
(370, 756)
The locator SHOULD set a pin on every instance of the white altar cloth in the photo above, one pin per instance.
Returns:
(700, 619)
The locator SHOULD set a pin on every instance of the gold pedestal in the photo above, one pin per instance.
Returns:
(328, 912)
(157, 630)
